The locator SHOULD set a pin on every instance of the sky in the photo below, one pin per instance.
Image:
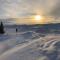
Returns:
(25, 9)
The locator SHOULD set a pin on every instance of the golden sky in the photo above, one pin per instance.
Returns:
(24, 10)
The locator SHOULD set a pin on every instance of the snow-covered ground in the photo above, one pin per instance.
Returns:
(29, 45)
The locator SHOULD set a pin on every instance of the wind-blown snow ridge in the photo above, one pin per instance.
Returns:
(20, 47)
(46, 48)
(29, 45)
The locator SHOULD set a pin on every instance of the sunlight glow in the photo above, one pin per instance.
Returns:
(38, 17)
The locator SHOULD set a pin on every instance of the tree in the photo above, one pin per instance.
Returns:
(1, 28)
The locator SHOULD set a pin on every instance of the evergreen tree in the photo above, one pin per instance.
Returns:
(1, 28)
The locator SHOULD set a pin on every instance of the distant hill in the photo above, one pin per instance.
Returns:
(40, 28)
(50, 26)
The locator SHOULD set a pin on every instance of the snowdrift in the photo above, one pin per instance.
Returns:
(43, 48)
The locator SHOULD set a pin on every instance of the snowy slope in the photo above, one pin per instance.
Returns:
(29, 45)
(42, 48)
(11, 39)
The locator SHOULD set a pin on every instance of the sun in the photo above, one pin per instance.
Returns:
(38, 17)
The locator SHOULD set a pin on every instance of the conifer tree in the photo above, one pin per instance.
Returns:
(1, 28)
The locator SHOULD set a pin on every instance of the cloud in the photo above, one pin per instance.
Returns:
(56, 9)
(23, 8)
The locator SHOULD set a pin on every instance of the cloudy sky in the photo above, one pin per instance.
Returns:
(27, 8)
